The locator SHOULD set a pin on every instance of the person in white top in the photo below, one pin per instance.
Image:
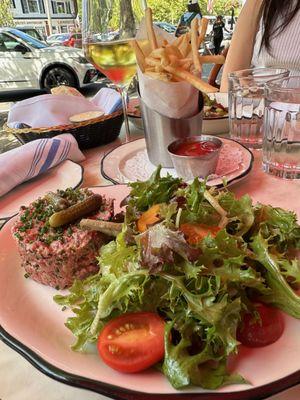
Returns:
(267, 34)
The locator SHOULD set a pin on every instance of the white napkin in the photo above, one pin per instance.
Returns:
(34, 158)
(53, 110)
(108, 99)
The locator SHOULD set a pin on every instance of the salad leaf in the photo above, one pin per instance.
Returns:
(279, 226)
(117, 257)
(282, 295)
(122, 291)
(207, 367)
(159, 245)
(154, 191)
(240, 212)
(290, 269)
(197, 208)
(83, 301)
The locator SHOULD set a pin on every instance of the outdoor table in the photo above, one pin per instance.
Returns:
(21, 381)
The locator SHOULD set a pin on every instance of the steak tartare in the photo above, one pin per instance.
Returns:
(58, 256)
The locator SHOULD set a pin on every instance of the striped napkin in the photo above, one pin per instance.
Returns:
(34, 158)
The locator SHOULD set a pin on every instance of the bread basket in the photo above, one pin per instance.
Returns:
(91, 133)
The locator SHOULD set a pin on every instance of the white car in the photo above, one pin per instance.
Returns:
(27, 63)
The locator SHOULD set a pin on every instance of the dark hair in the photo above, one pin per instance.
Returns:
(272, 11)
(194, 8)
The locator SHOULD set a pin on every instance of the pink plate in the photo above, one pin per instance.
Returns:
(32, 324)
(130, 163)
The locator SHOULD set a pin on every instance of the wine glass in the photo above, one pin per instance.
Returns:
(109, 27)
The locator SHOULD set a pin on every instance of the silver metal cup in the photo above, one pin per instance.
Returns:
(190, 167)
(160, 131)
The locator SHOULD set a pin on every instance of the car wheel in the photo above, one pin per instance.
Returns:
(58, 76)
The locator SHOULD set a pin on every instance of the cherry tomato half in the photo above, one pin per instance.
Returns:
(132, 342)
(255, 333)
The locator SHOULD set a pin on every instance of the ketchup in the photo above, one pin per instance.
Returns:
(196, 148)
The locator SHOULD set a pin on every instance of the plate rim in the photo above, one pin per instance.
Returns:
(231, 181)
(75, 187)
(119, 393)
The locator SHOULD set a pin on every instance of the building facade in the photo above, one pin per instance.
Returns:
(34, 13)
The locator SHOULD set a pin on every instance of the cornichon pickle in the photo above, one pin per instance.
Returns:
(71, 214)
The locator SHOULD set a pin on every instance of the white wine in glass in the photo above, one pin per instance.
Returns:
(109, 26)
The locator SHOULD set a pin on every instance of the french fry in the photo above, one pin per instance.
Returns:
(152, 62)
(150, 69)
(186, 60)
(174, 61)
(176, 79)
(185, 46)
(218, 59)
(173, 51)
(192, 79)
(159, 68)
(140, 57)
(202, 30)
(177, 61)
(178, 41)
(150, 31)
(158, 53)
(162, 76)
(187, 65)
(194, 44)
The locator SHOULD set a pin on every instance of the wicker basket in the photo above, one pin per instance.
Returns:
(88, 134)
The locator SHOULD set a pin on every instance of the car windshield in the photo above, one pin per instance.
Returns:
(37, 44)
(59, 37)
(31, 32)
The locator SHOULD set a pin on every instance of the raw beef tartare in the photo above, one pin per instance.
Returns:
(58, 256)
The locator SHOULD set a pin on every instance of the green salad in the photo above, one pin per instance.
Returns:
(198, 258)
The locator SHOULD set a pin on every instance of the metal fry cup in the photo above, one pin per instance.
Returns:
(190, 167)
(160, 131)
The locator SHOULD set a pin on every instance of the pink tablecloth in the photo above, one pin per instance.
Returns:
(20, 381)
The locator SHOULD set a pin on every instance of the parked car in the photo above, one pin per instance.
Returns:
(65, 39)
(57, 39)
(74, 40)
(31, 31)
(166, 26)
(26, 62)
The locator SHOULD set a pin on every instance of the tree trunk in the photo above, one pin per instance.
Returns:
(127, 21)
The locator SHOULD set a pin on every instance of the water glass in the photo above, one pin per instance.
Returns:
(246, 103)
(281, 145)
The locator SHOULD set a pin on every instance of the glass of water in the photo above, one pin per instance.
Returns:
(281, 145)
(246, 103)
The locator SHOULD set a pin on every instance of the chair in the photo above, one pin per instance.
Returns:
(216, 69)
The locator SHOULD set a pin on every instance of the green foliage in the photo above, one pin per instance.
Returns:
(171, 10)
(6, 18)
